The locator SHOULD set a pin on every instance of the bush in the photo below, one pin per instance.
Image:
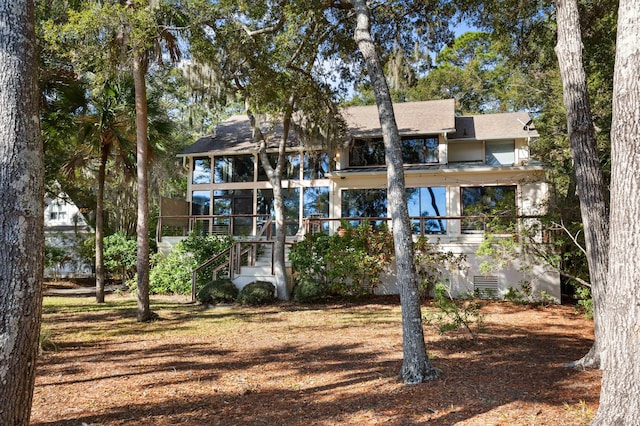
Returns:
(455, 314)
(309, 291)
(120, 255)
(348, 264)
(172, 274)
(218, 291)
(433, 265)
(257, 293)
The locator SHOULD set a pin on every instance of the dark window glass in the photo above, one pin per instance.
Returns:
(235, 168)
(420, 150)
(200, 202)
(316, 201)
(201, 170)
(368, 152)
(489, 202)
(363, 203)
(427, 202)
(262, 175)
(316, 204)
(291, 207)
(234, 202)
(316, 164)
(290, 171)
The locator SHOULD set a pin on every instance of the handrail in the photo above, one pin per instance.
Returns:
(311, 224)
(189, 221)
(265, 226)
(235, 253)
(194, 273)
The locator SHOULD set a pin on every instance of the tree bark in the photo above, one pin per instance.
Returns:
(142, 229)
(416, 367)
(100, 278)
(275, 178)
(22, 206)
(620, 394)
(584, 151)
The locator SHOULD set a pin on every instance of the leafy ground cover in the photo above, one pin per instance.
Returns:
(287, 364)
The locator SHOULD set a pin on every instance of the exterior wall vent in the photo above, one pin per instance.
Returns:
(485, 285)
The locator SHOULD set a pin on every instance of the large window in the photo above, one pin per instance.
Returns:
(233, 168)
(316, 203)
(420, 150)
(290, 171)
(362, 203)
(499, 153)
(368, 152)
(316, 164)
(427, 202)
(200, 202)
(493, 208)
(415, 150)
(234, 202)
(291, 207)
(201, 170)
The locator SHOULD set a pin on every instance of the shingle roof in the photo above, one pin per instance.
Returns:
(411, 117)
(234, 135)
(494, 126)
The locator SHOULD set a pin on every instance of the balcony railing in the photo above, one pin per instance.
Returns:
(243, 225)
(261, 226)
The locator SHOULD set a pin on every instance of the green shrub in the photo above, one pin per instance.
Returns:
(348, 264)
(172, 274)
(309, 291)
(218, 291)
(120, 255)
(585, 302)
(307, 257)
(433, 265)
(455, 314)
(257, 293)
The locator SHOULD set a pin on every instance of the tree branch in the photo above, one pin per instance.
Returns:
(266, 30)
(574, 238)
(573, 277)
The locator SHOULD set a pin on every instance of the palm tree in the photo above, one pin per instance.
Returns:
(105, 130)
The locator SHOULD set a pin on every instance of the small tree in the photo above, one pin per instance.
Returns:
(120, 255)
(432, 265)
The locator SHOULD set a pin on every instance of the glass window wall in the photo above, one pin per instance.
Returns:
(233, 168)
(427, 202)
(489, 202)
(201, 170)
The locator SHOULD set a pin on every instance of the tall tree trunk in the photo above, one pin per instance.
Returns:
(584, 151)
(142, 229)
(275, 178)
(620, 394)
(416, 367)
(22, 206)
(100, 276)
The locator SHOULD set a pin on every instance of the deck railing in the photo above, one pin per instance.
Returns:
(253, 227)
(237, 225)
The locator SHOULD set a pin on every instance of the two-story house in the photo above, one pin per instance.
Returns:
(66, 228)
(460, 171)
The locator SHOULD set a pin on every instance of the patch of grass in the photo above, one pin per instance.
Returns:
(581, 411)
(46, 343)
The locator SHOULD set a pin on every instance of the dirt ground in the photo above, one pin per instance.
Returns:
(287, 364)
